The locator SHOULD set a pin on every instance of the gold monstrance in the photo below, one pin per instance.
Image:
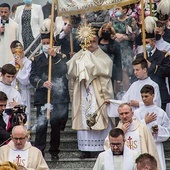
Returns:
(85, 33)
(18, 53)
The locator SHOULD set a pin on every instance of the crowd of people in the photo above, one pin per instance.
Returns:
(119, 93)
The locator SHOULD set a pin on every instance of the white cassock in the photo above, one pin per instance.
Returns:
(107, 161)
(24, 85)
(163, 123)
(133, 93)
(10, 34)
(12, 94)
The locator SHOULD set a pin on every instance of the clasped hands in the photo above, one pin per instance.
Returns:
(48, 85)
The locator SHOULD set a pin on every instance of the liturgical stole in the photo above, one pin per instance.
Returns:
(133, 141)
(19, 157)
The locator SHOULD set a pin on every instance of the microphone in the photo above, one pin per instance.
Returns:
(3, 22)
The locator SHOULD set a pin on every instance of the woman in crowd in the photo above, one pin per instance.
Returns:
(126, 29)
(29, 17)
(112, 48)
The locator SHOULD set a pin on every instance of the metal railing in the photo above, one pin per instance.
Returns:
(33, 53)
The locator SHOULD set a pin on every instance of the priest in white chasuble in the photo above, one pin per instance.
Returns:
(137, 135)
(21, 152)
(118, 156)
(89, 72)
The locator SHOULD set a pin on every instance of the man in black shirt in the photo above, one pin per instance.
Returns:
(4, 135)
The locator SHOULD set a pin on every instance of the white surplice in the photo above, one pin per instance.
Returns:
(92, 140)
(163, 123)
(24, 85)
(133, 93)
(12, 95)
(107, 161)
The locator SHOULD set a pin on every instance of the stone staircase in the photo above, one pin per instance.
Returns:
(69, 153)
(167, 153)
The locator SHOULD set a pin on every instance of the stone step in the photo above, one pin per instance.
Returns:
(68, 134)
(33, 117)
(167, 148)
(73, 169)
(65, 154)
(33, 120)
(78, 164)
(64, 144)
(71, 163)
(33, 108)
(68, 127)
(167, 163)
(69, 141)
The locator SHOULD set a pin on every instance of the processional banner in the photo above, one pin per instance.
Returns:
(70, 7)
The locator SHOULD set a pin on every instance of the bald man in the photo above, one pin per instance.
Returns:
(21, 152)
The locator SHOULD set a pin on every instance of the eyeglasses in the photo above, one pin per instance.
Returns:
(20, 139)
(116, 144)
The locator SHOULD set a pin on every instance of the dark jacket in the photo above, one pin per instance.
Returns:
(4, 135)
(158, 71)
(65, 44)
(113, 51)
(39, 74)
(47, 11)
(98, 18)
